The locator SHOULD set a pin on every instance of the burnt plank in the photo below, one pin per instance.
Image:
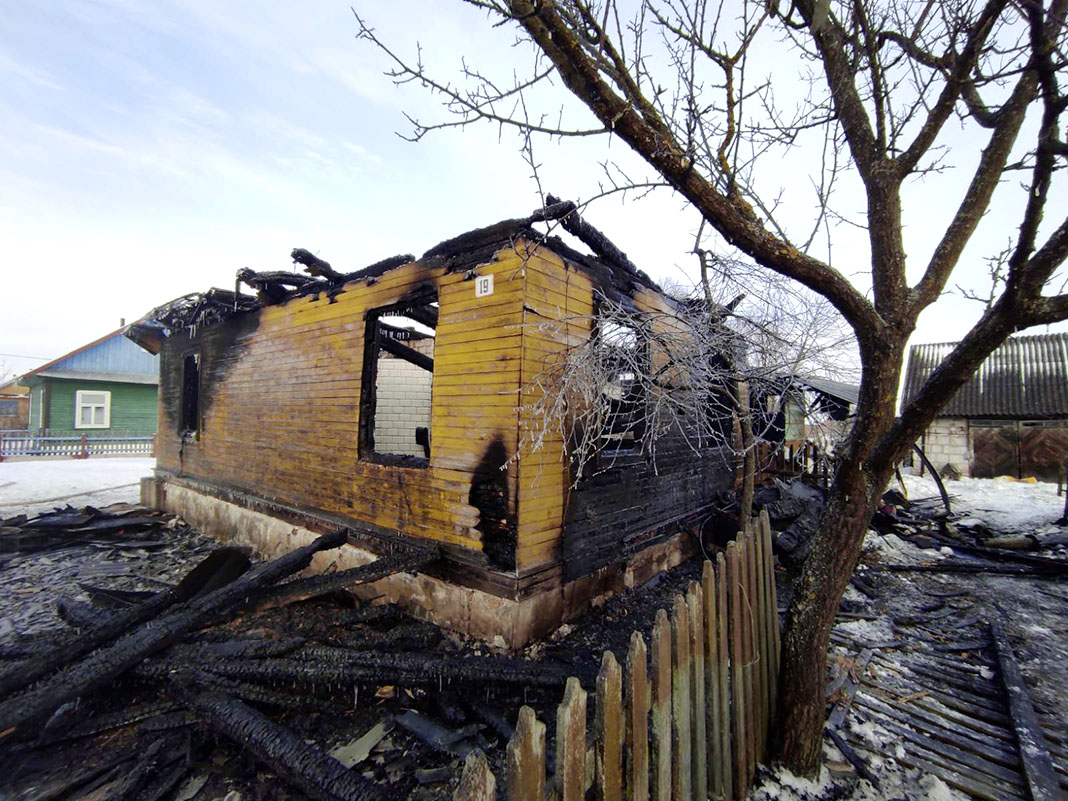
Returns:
(1038, 767)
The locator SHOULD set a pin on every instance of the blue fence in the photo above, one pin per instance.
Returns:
(24, 443)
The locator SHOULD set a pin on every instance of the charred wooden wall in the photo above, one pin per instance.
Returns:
(604, 518)
(280, 397)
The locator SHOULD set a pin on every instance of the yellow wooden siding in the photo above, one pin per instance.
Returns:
(282, 419)
(558, 304)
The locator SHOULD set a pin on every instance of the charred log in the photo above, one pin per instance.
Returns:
(321, 665)
(200, 577)
(408, 354)
(301, 765)
(274, 287)
(115, 720)
(303, 589)
(591, 237)
(81, 615)
(436, 736)
(249, 648)
(103, 665)
(313, 265)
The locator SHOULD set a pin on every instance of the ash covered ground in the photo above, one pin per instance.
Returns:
(409, 740)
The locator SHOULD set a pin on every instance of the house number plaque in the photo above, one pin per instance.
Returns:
(483, 285)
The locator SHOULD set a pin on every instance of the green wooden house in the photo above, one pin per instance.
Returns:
(106, 388)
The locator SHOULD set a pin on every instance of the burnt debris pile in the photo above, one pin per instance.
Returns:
(962, 544)
(153, 693)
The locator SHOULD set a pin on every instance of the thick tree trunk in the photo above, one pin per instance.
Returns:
(858, 484)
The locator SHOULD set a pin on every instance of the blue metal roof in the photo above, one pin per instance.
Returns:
(111, 357)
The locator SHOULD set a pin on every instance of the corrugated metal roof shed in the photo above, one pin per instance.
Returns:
(1025, 378)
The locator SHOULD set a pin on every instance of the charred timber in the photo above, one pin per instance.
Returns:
(303, 589)
(301, 765)
(251, 648)
(592, 238)
(114, 720)
(1055, 570)
(276, 286)
(342, 668)
(111, 626)
(313, 265)
(408, 354)
(105, 664)
(1034, 752)
(253, 692)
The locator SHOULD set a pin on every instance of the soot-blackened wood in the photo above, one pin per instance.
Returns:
(313, 265)
(106, 663)
(318, 666)
(80, 614)
(953, 566)
(114, 625)
(303, 589)
(1038, 767)
(408, 354)
(299, 764)
(854, 759)
(113, 720)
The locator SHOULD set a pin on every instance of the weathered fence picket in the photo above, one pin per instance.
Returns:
(690, 717)
(698, 721)
(681, 707)
(609, 730)
(637, 743)
(661, 726)
(723, 671)
(570, 779)
(526, 758)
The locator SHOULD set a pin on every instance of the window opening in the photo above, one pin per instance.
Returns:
(395, 402)
(190, 419)
(622, 392)
(92, 409)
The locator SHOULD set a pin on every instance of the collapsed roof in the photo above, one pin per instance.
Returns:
(614, 275)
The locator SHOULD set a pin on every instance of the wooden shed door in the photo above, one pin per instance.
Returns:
(1036, 449)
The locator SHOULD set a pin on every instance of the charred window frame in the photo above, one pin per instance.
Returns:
(189, 416)
(401, 334)
(623, 356)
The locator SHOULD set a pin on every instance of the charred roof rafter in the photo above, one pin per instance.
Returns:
(613, 274)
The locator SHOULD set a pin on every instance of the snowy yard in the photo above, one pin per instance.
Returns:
(1002, 505)
(900, 620)
(31, 487)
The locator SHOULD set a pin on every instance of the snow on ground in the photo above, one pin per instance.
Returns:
(1001, 504)
(33, 486)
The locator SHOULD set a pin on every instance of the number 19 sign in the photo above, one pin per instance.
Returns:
(483, 285)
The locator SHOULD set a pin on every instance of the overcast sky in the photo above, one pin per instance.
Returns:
(149, 150)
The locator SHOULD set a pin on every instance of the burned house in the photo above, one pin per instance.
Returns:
(393, 400)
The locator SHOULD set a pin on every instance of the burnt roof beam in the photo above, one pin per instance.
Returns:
(406, 353)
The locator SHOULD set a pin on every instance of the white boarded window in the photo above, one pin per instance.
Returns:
(92, 409)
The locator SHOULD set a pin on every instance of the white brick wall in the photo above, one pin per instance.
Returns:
(403, 401)
(946, 441)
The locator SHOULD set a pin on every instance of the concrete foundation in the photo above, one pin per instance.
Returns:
(505, 623)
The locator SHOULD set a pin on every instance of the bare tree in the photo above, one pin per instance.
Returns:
(866, 96)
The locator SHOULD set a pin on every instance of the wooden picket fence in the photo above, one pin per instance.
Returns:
(689, 716)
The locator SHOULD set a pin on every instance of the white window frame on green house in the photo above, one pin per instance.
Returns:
(92, 405)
